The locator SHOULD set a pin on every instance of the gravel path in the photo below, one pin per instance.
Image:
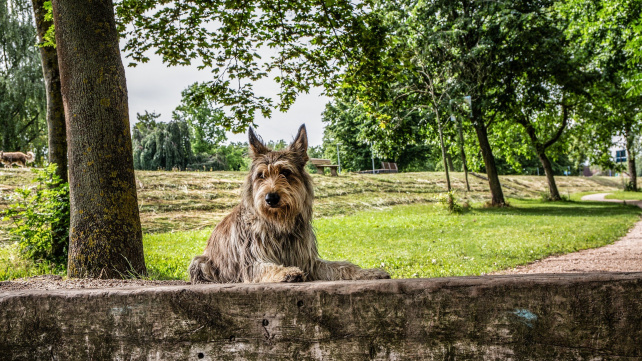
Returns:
(624, 255)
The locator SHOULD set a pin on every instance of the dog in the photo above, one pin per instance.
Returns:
(269, 237)
(10, 158)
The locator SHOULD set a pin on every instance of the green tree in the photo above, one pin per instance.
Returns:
(204, 121)
(22, 95)
(306, 40)
(158, 145)
(610, 31)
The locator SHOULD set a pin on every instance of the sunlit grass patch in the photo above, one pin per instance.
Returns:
(627, 196)
(13, 266)
(423, 241)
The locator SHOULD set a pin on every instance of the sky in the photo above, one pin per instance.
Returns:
(156, 88)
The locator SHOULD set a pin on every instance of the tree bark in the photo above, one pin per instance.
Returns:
(105, 235)
(57, 135)
(451, 166)
(496, 193)
(630, 158)
(554, 194)
(55, 110)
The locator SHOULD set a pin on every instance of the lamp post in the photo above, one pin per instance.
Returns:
(339, 157)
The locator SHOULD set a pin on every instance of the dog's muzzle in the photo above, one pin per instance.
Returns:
(272, 199)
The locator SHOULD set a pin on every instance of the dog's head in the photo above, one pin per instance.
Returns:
(278, 186)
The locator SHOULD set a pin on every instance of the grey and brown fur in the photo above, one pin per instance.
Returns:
(19, 158)
(269, 237)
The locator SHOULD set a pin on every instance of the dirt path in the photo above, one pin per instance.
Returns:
(624, 255)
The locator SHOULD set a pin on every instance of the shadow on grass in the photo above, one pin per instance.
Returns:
(563, 208)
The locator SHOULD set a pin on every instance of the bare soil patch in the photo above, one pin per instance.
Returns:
(52, 282)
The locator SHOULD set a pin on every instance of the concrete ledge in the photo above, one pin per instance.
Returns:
(533, 317)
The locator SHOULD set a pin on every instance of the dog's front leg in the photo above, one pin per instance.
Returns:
(270, 272)
(336, 271)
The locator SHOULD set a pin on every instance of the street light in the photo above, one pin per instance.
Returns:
(339, 157)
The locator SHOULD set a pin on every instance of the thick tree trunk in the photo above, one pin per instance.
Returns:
(105, 237)
(57, 134)
(496, 193)
(554, 194)
(630, 157)
(55, 110)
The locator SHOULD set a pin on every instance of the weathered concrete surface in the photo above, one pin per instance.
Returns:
(527, 317)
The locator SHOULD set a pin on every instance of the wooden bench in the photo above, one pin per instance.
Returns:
(320, 164)
(388, 167)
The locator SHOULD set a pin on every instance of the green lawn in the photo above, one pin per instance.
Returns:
(424, 241)
(628, 196)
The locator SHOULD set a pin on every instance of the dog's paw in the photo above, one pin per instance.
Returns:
(372, 274)
(290, 274)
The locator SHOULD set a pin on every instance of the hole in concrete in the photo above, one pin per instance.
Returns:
(201, 355)
(266, 322)
(299, 304)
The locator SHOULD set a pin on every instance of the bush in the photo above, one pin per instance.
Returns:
(40, 216)
(449, 203)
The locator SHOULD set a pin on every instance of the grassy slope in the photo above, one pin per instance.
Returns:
(191, 203)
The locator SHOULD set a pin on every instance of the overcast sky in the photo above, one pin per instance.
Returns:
(156, 88)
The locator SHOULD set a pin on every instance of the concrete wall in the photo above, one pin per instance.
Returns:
(535, 317)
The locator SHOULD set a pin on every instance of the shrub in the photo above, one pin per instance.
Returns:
(40, 216)
(449, 203)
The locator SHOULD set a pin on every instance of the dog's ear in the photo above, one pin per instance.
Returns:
(257, 147)
(300, 143)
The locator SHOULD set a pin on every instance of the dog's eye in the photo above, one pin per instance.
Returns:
(260, 176)
(285, 173)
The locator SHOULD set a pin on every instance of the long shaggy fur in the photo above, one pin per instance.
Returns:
(10, 158)
(259, 242)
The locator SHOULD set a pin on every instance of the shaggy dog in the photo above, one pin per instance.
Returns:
(269, 236)
(21, 159)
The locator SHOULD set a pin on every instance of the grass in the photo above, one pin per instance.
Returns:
(13, 266)
(627, 196)
(394, 212)
(424, 241)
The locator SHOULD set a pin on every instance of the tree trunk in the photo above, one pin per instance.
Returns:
(443, 151)
(57, 134)
(451, 166)
(630, 158)
(105, 236)
(496, 193)
(55, 110)
(554, 194)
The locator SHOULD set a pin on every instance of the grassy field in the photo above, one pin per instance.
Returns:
(422, 240)
(627, 196)
(388, 220)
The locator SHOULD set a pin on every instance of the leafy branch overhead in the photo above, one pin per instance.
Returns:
(298, 44)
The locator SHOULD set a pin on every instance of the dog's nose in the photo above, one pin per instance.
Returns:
(272, 199)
